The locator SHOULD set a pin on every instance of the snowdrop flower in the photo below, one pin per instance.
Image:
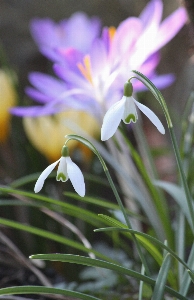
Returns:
(67, 169)
(125, 110)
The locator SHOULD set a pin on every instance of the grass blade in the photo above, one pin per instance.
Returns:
(44, 290)
(161, 279)
(76, 259)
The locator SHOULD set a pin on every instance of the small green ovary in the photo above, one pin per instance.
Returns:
(62, 177)
(130, 118)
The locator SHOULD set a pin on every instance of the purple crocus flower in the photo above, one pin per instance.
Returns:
(79, 31)
(92, 79)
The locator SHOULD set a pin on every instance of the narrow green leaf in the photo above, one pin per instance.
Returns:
(147, 242)
(76, 259)
(186, 279)
(178, 194)
(159, 202)
(67, 208)
(140, 296)
(22, 290)
(25, 180)
(187, 134)
(17, 203)
(144, 239)
(89, 145)
(149, 238)
(51, 236)
(191, 275)
(143, 199)
(161, 279)
(103, 203)
(112, 221)
(157, 94)
(93, 200)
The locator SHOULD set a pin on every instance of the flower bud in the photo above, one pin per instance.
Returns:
(65, 151)
(128, 89)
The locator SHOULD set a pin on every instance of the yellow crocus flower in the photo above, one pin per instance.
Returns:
(47, 133)
(8, 98)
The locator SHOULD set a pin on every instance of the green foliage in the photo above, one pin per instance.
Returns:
(158, 256)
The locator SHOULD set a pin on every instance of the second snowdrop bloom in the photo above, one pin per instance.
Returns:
(125, 110)
(67, 169)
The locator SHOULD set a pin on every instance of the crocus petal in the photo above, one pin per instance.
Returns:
(76, 79)
(70, 56)
(125, 36)
(151, 116)
(40, 182)
(160, 81)
(98, 57)
(47, 84)
(150, 64)
(36, 95)
(169, 27)
(43, 31)
(34, 111)
(76, 177)
(81, 31)
(152, 12)
(112, 119)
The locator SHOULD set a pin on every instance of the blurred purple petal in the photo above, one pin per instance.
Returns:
(98, 56)
(36, 95)
(70, 56)
(32, 111)
(163, 81)
(43, 32)
(47, 84)
(150, 64)
(92, 69)
(152, 13)
(125, 37)
(169, 27)
(79, 31)
(160, 81)
(71, 77)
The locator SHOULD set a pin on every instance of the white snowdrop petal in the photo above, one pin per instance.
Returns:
(130, 113)
(76, 177)
(40, 182)
(112, 119)
(62, 170)
(151, 116)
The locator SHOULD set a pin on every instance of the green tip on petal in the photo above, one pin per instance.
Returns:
(61, 177)
(128, 89)
(130, 118)
(65, 151)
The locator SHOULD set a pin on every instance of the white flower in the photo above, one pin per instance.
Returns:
(67, 169)
(125, 110)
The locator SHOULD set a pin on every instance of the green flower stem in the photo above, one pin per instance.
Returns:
(182, 175)
(157, 94)
(91, 146)
(144, 262)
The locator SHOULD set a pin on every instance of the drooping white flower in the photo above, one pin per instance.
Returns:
(67, 169)
(125, 110)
